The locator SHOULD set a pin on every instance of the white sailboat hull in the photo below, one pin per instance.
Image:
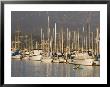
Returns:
(36, 57)
(16, 57)
(46, 60)
(88, 62)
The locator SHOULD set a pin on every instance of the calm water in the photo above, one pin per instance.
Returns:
(28, 68)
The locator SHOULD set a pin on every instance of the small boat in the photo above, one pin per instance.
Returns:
(16, 54)
(36, 55)
(88, 62)
(83, 59)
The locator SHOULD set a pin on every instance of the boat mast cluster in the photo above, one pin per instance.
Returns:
(62, 41)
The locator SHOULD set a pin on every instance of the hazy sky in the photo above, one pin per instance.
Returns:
(30, 21)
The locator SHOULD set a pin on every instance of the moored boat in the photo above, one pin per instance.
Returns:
(16, 54)
(84, 59)
(36, 55)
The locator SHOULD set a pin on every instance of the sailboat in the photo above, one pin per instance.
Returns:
(70, 54)
(36, 55)
(16, 53)
(55, 59)
(97, 60)
(47, 58)
(84, 58)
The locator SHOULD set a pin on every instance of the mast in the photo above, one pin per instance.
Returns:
(67, 37)
(97, 41)
(48, 34)
(78, 39)
(92, 43)
(86, 44)
(43, 41)
(74, 40)
(72, 44)
(53, 33)
(69, 41)
(82, 40)
(62, 41)
(55, 37)
(36, 45)
(41, 38)
(26, 41)
(89, 37)
(31, 42)
(82, 44)
(51, 43)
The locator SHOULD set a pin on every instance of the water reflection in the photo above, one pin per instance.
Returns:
(26, 68)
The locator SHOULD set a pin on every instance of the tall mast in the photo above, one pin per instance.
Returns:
(89, 37)
(69, 40)
(53, 40)
(31, 42)
(82, 40)
(74, 40)
(67, 37)
(92, 42)
(53, 34)
(62, 41)
(26, 41)
(43, 42)
(48, 34)
(41, 38)
(55, 37)
(97, 40)
(36, 45)
(78, 39)
(51, 43)
(86, 44)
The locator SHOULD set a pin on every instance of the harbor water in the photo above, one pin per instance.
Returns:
(28, 68)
